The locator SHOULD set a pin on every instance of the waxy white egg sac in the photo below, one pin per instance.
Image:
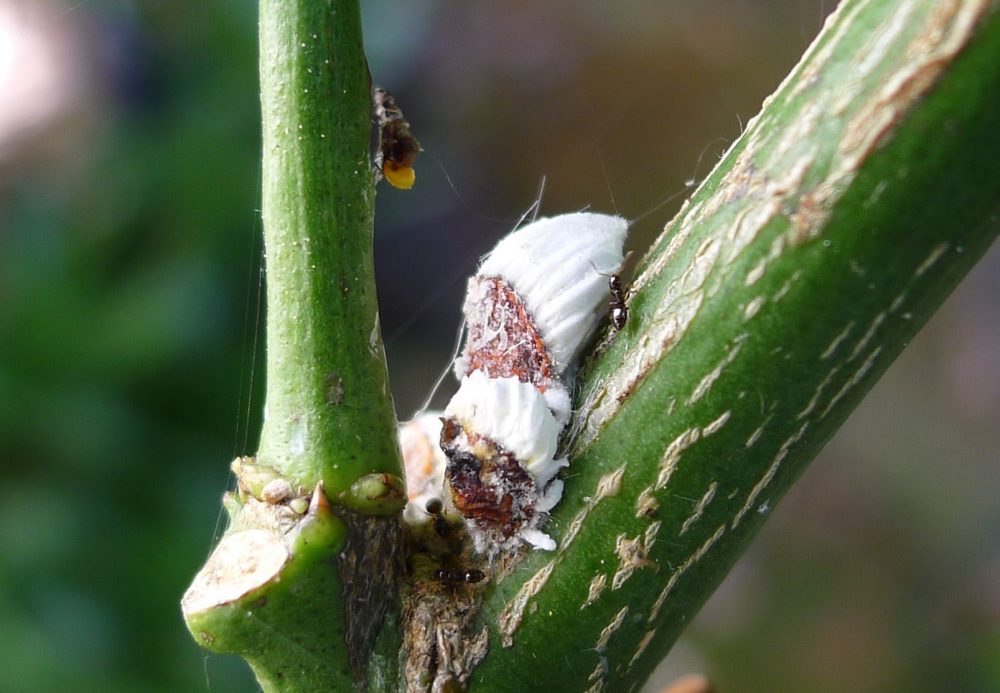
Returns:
(532, 306)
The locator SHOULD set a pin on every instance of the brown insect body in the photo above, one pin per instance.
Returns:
(397, 147)
(504, 342)
(488, 487)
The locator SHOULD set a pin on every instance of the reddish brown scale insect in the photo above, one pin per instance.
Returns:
(493, 489)
(472, 491)
(506, 343)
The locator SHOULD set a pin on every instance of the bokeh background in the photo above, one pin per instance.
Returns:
(130, 357)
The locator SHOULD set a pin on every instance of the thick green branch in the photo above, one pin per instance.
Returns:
(302, 579)
(850, 207)
(329, 415)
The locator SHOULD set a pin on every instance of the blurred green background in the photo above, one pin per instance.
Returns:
(130, 359)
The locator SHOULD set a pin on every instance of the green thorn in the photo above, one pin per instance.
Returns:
(320, 530)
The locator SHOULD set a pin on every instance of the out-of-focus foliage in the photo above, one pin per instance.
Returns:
(128, 300)
(126, 228)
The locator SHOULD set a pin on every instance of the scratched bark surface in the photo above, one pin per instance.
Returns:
(828, 234)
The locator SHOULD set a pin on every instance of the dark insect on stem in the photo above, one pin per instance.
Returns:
(435, 508)
(397, 147)
(619, 311)
(617, 308)
(467, 576)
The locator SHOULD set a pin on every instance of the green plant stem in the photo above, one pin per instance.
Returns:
(302, 579)
(329, 414)
(845, 214)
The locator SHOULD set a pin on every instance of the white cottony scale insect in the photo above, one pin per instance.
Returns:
(530, 308)
(500, 439)
(559, 267)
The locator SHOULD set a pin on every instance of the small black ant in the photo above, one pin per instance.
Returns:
(619, 311)
(435, 508)
(467, 576)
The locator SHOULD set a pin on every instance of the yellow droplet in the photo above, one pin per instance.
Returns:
(401, 177)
